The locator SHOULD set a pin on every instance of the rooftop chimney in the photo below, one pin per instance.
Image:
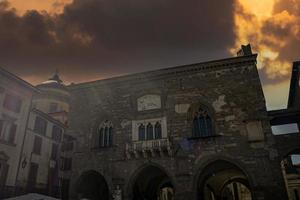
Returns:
(245, 50)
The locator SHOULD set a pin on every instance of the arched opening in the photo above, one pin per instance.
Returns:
(290, 166)
(92, 186)
(152, 183)
(222, 180)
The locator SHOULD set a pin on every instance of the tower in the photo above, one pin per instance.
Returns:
(53, 99)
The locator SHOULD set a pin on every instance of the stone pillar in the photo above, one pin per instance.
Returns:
(184, 187)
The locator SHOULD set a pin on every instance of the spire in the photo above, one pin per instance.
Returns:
(56, 77)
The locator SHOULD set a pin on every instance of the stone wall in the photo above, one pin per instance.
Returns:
(231, 91)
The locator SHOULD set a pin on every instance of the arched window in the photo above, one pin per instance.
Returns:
(202, 123)
(105, 133)
(110, 136)
(149, 131)
(105, 137)
(158, 131)
(142, 132)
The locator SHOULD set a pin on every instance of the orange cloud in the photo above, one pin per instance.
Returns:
(51, 6)
(271, 32)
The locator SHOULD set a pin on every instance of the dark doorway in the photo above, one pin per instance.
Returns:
(152, 183)
(92, 185)
(222, 180)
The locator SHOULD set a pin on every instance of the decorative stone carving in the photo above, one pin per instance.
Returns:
(148, 102)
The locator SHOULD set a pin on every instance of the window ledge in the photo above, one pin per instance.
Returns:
(102, 148)
(203, 137)
(7, 143)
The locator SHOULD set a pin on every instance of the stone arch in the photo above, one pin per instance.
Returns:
(92, 185)
(146, 180)
(215, 175)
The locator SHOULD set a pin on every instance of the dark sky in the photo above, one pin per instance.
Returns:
(94, 39)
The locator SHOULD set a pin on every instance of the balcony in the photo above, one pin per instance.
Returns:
(148, 148)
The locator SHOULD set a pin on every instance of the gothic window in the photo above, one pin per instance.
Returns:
(158, 131)
(110, 136)
(202, 123)
(142, 132)
(149, 131)
(105, 134)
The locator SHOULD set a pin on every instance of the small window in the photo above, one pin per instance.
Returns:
(54, 151)
(37, 145)
(202, 124)
(12, 103)
(40, 125)
(57, 133)
(8, 131)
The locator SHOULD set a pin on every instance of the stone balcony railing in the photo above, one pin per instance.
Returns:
(149, 148)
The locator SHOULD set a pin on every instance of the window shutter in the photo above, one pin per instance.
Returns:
(37, 145)
(12, 133)
(3, 175)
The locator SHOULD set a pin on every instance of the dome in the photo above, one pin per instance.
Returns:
(53, 82)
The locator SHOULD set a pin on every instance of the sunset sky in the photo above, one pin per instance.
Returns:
(93, 39)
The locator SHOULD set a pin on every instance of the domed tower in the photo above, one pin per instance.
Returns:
(54, 98)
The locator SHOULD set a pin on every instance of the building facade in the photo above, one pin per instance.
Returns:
(288, 120)
(15, 103)
(35, 151)
(198, 131)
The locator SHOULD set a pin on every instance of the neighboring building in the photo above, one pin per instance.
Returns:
(288, 143)
(43, 161)
(15, 104)
(39, 170)
(199, 131)
(35, 151)
(54, 99)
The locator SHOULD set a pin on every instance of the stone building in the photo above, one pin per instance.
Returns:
(15, 103)
(198, 131)
(35, 151)
(43, 161)
(288, 142)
